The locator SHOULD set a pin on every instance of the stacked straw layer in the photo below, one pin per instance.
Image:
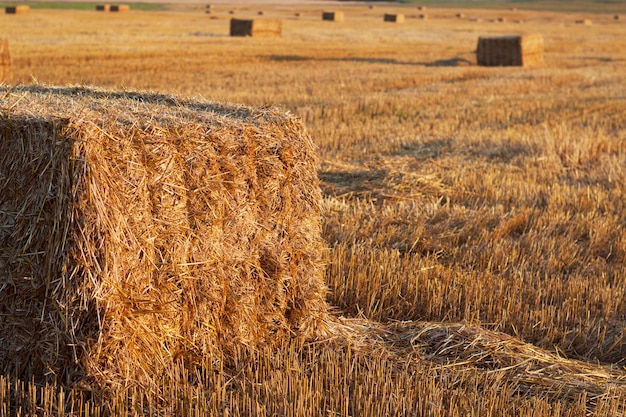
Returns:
(526, 50)
(139, 230)
(262, 28)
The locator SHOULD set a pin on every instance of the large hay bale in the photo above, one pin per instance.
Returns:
(397, 18)
(103, 7)
(120, 8)
(586, 22)
(262, 28)
(333, 16)
(139, 230)
(526, 50)
(19, 9)
(6, 71)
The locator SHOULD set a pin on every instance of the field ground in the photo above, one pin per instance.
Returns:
(476, 217)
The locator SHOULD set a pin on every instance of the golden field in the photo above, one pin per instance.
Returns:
(476, 217)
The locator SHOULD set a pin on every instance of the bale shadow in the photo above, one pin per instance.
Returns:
(450, 62)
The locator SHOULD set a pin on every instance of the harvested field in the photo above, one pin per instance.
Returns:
(474, 216)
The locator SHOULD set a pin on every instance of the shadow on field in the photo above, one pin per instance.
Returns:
(365, 182)
(451, 62)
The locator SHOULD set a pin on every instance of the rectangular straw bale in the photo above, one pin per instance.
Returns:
(103, 7)
(526, 50)
(262, 28)
(120, 7)
(19, 9)
(586, 22)
(140, 230)
(333, 16)
(397, 18)
(6, 72)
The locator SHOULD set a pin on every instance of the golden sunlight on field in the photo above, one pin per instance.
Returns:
(475, 216)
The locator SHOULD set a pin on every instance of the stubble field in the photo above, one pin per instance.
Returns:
(476, 217)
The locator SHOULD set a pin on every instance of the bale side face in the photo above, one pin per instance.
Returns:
(6, 71)
(333, 16)
(139, 230)
(262, 28)
(103, 7)
(510, 50)
(396, 18)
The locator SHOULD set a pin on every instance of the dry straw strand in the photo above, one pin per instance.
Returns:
(138, 230)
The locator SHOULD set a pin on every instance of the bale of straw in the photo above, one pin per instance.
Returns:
(299, 14)
(422, 16)
(421, 7)
(459, 15)
(260, 12)
(616, 17)
(6, 71)
(19, 9)
(141, 230)
(586, 22)
(233, 11)
(396, 18)
(526, 50)
(501, 19)
(262, 28)
(103, 7)
(120, 8)
(333, 16)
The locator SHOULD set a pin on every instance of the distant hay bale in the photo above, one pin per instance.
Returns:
(208, 7)
(396, 18)
(6, 71)
(459, 15)
(616, 17)
(372, 7)
(261, 28)
(524, 50)
(501, 19)
(475, 19)
(103, 7)
(586, 22)
(299, 14)
(120, 7)
(260, 12)
(138, 231)
(19, 9)
(233, 11)
(333, 16)
(421, 7)
(422, 16)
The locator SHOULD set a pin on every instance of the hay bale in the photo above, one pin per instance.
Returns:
(616, 17)
(423, 16)
(120, 8)
(501, 19)
(141, 230)
(233, 11)
(333, 16)
(524, 50)
(103, 7)
(260, 12)
(299, 14)
(261, 28)
(459, 15)
(6, 72)
(586, 22)
(396, 18)
(421, 7)
(19, 9)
